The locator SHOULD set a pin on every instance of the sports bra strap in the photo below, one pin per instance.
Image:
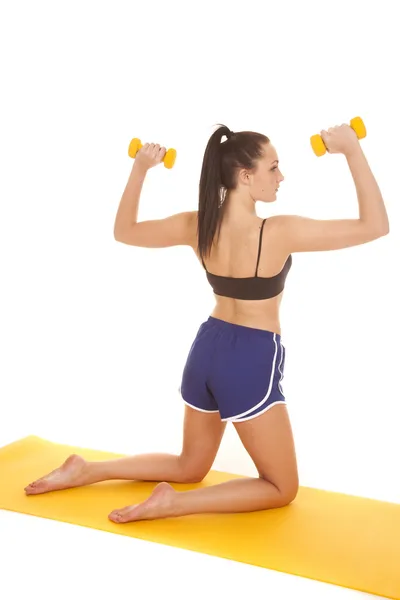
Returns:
(259, 249)
(259, 246)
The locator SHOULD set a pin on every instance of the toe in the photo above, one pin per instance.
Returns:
(37, 487)
(115, 516)
(31, 487)
(122, 515)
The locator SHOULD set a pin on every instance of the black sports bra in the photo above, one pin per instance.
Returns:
(250, 288)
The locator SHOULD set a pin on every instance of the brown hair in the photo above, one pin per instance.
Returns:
(221, 163)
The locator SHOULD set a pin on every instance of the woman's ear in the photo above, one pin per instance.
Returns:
(244, 177)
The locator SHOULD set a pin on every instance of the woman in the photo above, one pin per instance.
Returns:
(236, 363)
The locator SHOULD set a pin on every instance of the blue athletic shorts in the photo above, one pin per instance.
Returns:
(234, 370)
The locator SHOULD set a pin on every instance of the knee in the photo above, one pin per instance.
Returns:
(192, 476)
(191, 472)
(289, 493)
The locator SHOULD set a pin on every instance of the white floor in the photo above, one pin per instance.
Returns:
(48, 560)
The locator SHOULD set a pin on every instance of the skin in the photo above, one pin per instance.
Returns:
(236, 254)
(268, 438)
(256, 186)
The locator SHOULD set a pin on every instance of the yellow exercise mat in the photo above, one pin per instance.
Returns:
(335, 538)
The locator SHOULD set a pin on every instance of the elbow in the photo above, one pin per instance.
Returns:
(381, 231)
(117, 234)
(385, 229)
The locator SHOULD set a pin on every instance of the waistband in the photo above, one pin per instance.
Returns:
(243, 329)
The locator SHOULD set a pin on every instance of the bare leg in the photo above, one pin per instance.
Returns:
(238, 495)
(76, 471)
(201, 439)
(268, 439)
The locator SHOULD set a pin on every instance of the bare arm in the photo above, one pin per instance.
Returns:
(371, 206)
(127, 213)
(175, 230)
(303, 234)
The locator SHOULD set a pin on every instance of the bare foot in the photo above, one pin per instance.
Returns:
(157, 506)
(70, 474)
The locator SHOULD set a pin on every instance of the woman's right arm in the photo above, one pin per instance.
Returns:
(303, 234)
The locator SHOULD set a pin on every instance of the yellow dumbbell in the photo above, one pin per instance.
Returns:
(168, 160)
(317, 143)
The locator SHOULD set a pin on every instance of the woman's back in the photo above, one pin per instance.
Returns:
(248, 264)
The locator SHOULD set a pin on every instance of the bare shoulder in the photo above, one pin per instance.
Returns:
(297, 233)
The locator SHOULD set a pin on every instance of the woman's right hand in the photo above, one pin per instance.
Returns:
(341, 139)
(150, 155)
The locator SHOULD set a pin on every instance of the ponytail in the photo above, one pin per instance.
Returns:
(211, 192)
(218, 175)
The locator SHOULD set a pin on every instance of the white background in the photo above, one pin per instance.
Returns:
(93, 343)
